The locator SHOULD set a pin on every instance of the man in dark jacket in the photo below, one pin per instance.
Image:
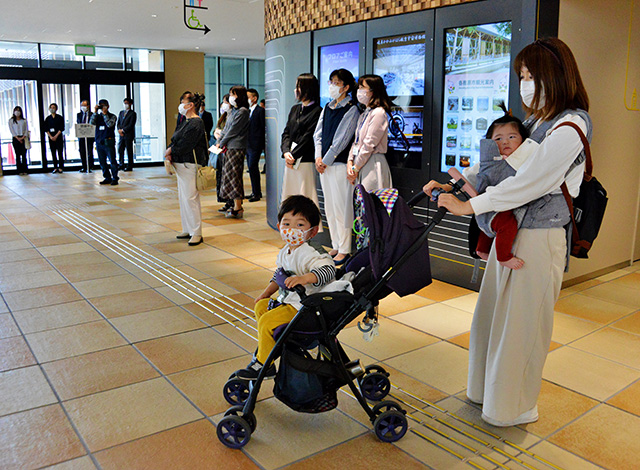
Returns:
(85, 145)
(105, 123)
(127, 130)
(255, 145)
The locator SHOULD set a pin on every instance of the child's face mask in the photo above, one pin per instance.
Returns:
(294, 236)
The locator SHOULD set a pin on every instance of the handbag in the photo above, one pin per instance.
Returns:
(205, 175)
(27, 140)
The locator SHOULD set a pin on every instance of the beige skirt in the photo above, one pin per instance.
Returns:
(375, 174)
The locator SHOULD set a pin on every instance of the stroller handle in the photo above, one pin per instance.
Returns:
(419, 196)
(300, 290)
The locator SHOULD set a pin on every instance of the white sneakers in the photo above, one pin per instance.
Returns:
(530, 416)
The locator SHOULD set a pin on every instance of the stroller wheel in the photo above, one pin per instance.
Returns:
(375, 386)
(250, 418)
(233, 431)
(390, 426)
(386, 405)
(236, 391)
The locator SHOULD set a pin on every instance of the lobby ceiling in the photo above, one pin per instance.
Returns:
(236, 26)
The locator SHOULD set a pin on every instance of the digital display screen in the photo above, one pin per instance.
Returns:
(399, 60)
(477, 68)
(337, 56)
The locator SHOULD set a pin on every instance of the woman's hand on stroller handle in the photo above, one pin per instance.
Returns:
(455, 205)
(433, 188)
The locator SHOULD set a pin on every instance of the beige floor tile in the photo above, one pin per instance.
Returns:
(628, 399)
(20, 282)
(439, 291)
(188, 350)
(200, 256)
(307, 433)
(579, 287)
(3, 306)
(225, 267)
(606, 436)
(55, 240)
(411, 390)
(74, 340)
(67, 249)
(46, 429)
(23, 389)
(91, 271)
(156, 323)
(615, 345)
(99, 371)
(612, 275)
(464, 302)
(264, 260)
(78, 259)
(13, 245)
(132, 302)
(441, 365)
(56, 316)
(184, 293)
(210, 312)
(438, 319)
(585, 373)
(461, 340)
(559, 457)
(41, 296)
(24, 267)
(8, 327)
(394, 339)
(568, 328)
(116, 416)
(83, 463)
(248, 281)
(557, 406)
(616, 293)
(593, 309)
(393, 304)
(110, 286)
(193, 446)
(630, 323)
(19, 255)
(204, 385)
(15, 353)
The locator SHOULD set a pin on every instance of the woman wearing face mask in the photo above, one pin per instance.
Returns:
(513, 319)
(234, 137)
(367, 164)
(332, 139)
(297, 140)
(54, 127)
(19, 129)
(189, 148)
(218, 160)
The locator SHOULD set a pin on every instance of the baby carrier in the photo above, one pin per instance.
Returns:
(393, 256)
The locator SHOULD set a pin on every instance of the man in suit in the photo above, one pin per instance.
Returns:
(86, 145)
(256, 142)
(127, 130)
(207, 120)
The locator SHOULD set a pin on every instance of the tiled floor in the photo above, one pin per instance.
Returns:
(116, 339)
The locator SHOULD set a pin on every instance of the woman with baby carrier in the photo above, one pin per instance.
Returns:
(513, 319)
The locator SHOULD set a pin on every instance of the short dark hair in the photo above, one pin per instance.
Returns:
(508, 118)
(309, 87)
(379, 96)
(253, 91)
(128, 100)
(53, 104)
(302, 205)
(345, 77)
(241, 96)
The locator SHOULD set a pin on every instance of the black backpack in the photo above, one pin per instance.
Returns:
(587, 210)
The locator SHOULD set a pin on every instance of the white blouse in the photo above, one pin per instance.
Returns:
(18, 128)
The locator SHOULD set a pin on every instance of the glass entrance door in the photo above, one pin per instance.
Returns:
(67, 97)
(19, 93)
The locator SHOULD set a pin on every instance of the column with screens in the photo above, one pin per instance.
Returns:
(337, 56)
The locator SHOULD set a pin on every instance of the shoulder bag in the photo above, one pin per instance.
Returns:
(27, 140)
(205, 175)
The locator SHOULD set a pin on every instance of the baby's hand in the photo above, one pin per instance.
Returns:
(293, 281)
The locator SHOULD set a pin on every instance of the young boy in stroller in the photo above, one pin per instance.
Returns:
(301, 265)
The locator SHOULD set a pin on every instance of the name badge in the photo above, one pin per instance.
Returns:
(101, 128)
(355, 151)
(52, 130)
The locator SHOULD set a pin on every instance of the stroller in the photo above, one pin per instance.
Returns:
(393, 255)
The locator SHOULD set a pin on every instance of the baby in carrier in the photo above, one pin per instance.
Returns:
(298, 222)
(507, 133)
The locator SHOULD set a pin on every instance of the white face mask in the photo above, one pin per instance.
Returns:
(225, 108)
(528, 91)
(232, 101)
(52, 111)
(127, 106)
(364, 96)
(17, 113)
(182, 109)
(334, 91)
(83, 109)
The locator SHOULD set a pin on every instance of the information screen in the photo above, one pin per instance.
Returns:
(399, 60)
(333, 57)
(477, 68)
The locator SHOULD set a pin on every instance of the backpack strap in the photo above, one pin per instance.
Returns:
(565, 191)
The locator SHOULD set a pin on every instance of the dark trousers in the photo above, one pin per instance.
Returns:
(219, 165)
(57, 152)
(253, 160)
(21, 155)
(86, 147)
(126, 143)
(107, 150)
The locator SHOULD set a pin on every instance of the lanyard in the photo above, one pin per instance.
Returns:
(364, 118)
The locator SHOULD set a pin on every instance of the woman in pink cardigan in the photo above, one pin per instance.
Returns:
(367, 164)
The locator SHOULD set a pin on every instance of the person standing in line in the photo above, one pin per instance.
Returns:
(255, 145)
(105, 123)
(207, 120)
(234, 138)
(225, 107)
(367, 164)
(19, 131)
(127, 129)
(54, 127)
(297, 144)
(85, 144)
(513, 320)
(187, 150)
(332, 139)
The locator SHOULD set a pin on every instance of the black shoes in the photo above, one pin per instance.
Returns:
(224, 209)
(253, 369)
(82, 171)
(105, 182)
(114, 182)
(254, 197)
(183, 236)
(195, 240)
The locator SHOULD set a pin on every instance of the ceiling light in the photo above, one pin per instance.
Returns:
(154, 16)
(197, 47)
(233, 39)
(119, 30)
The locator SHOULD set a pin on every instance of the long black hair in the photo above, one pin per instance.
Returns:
(13, 115)
(309, 87)
(508, 118)
(241, 96)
